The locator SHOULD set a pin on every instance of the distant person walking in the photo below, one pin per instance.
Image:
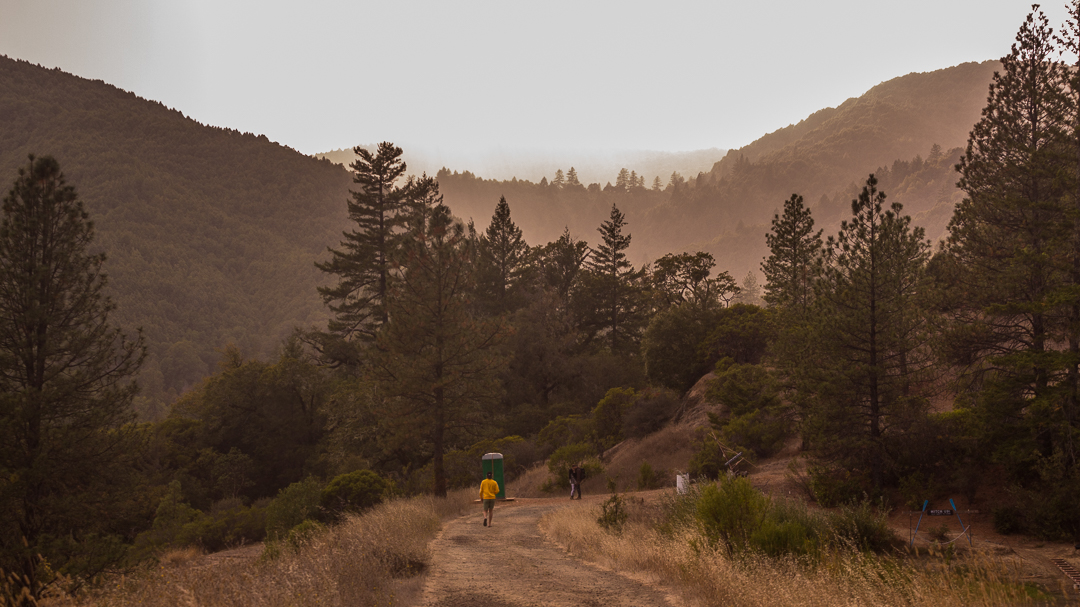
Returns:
(576, 476)
(489, 490)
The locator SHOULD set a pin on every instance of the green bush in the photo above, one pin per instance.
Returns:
(916, 488)
(292, 506)
(778, 538)
(1008, 520)
(708, 460)
(649, 478)
(304, 533)
(354, 492)
(863, 526)
(229, 523)
(651, 409)
(564, 457)
(834, 487)
(613, 514)
(730, 511)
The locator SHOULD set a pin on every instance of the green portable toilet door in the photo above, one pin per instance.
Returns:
(493, 463)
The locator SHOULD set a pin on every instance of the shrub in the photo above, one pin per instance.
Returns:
(564, 457)
(730, 511)
(650, 411)
(292, 506)
(778, 538)
(789, 527)
(708, 460)
(613, 514)
(304, 533)
(863, 526)
(915, 488)
(354, 492)
(646, 477)
(1008, 520)
(834, 487)
(229, 523)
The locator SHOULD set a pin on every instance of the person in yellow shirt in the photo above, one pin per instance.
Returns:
(489, 490)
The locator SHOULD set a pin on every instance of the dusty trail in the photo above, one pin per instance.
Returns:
(511, 565)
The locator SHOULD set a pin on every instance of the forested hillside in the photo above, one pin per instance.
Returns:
(211, 234)
(825, 156)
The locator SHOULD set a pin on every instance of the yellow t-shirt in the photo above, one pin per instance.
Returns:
(489, 489)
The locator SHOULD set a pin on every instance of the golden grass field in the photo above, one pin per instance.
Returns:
(704, 575)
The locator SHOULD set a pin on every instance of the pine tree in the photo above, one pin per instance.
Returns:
(612, 298)
(1069, 438)
(657, 185)
(358, 301)
(622, 181)
(1005, 259)
(794, 248)
(572, 177)
(561, 262)
(559, 180)
(437, 365)
(872, 345)
(502, 262)
(65, 377)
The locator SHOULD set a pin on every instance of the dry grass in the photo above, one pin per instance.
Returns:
(666, 450)
(370, 559)
(528, 484)
(706, 576)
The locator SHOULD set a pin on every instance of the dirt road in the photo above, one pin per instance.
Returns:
(511, 565)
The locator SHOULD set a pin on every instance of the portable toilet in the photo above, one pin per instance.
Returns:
(493, 463)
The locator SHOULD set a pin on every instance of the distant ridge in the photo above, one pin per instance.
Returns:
(596, 166)
(826, 158)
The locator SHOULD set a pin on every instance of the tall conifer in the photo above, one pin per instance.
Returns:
(870, 335)
(502, 260)
(65, 381)
(613, 296)
(362, 264)
(1006, 245)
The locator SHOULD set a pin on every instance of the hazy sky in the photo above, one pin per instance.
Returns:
(324, 74)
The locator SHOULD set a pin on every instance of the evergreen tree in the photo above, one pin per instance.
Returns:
(1007, 256)
(1069, 423)
(572, 177)
(362, 265)
(871, 336)
(657, 185)
(613, 295)
(65, 381)
(559, 180)
(437, 365)
(561, 262)
(794, 248)
(749, 292)
(622, 181)
(502, 262)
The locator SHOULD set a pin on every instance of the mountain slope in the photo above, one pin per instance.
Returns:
(826, 158)
(211, 234)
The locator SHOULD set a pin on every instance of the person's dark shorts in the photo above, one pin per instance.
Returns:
(489, 504)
